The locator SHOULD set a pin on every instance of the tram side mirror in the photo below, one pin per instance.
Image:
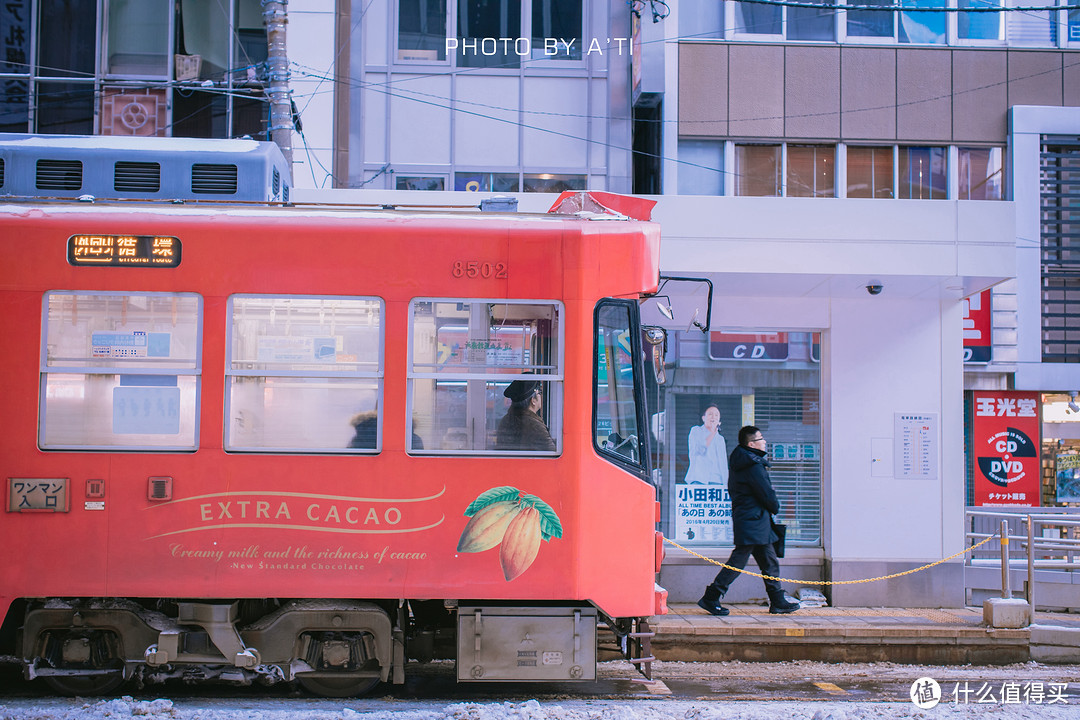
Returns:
(679, 305)
(656, 337)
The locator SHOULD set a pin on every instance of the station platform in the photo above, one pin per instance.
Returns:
(949, 636)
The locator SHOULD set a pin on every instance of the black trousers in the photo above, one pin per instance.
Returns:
(765, 555)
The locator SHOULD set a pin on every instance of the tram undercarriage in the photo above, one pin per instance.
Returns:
(332, 648)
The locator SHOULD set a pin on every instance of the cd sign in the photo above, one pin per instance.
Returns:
(1006, 444)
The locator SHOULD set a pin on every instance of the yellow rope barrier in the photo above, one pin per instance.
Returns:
(830, 582)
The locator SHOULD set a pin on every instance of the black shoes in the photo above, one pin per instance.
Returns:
(713, 607)
(782, 607)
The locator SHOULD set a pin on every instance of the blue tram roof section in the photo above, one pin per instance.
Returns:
(165, 168)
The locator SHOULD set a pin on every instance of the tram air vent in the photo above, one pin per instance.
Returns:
(59, 175)
(159, 488)
(1, 172)
(213, 179)
(137, 177)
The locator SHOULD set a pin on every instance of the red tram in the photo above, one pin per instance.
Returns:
(259, 444)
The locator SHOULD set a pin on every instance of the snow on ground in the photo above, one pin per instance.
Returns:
(279, 709)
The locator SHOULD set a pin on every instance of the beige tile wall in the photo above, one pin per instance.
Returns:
(858, 93)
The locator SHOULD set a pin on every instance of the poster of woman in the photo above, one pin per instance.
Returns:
(702, 505)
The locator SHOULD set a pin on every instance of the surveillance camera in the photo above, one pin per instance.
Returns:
(874, 289)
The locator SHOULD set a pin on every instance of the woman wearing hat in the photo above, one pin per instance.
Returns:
(522, 428)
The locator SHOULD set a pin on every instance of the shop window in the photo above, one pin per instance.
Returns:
(304, 374)
(463, 356)
(757, 170)
(811, 171)
(1074, 25)
(120, 371)
(409, 182)
(138, 38)
(922, 173)
(487, 182)
(769, 380)
(869, 172)
(550, 183)
(980, 171)
(422, 30)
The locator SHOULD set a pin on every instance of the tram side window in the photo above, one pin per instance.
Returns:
(616, 419)
(120, 371)
(304, 374)
(464, 354)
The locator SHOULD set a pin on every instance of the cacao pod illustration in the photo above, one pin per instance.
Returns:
(486, 528)
(520, 543)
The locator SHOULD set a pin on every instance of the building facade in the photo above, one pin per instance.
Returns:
(884, 203)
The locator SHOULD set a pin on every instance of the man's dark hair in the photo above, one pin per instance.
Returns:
(747, 432)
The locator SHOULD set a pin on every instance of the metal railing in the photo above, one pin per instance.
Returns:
(1038, 539)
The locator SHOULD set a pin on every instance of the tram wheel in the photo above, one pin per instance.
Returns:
(344, 686)
(83, 685)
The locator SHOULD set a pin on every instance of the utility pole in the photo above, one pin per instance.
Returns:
(275, 18)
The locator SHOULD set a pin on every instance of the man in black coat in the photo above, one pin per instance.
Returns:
(753, 502)
(521, 428)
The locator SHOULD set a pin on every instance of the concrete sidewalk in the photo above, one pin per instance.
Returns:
(902, 635)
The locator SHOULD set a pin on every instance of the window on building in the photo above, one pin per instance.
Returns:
(871, 23)
(304, 374)
(120, 371)
(701, 167)
(809, 23)
(1060, 256)
(419, 182)
(759, 19)
(701, 20)
(16, 65)
(487, 182)
(869, 172)
(923, 173)
(552, 183)
(422, 30)
(62, 88)
(465, 353)
(1032, 28)
(481, 24)
(979, 25)
(923, 28)
(224, 42)
(556, 29)
(811, 171)
(1074, 25)
(758, 170)
(980, 173)
(137, 44)
(65, 49)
